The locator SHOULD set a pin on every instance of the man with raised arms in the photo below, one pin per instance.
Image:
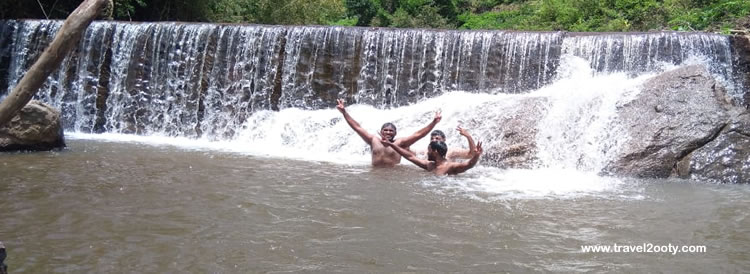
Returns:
(385, 156)
(437, 151)
(452, 154)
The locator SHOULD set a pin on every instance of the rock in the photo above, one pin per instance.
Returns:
(693, 108)
(36, 127)
(726, 159)
(740, 45)
(512, 131)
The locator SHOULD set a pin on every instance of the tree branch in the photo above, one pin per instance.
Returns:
(68, 35)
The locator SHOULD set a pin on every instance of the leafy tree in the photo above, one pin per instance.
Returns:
(447, 9)
(427, 16)
(125, 8)
(364, 10)
(571, 15)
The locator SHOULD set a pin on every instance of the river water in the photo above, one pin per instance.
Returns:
(106, 204)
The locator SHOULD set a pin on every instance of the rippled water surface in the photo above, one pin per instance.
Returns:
(103, 206)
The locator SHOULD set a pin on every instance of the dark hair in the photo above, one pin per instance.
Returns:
(388, 125)
(438, 133)
(440, 146)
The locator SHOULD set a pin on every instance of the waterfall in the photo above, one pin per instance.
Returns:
(188, 80)
(649, 52)
(272, 89)
(391, 67)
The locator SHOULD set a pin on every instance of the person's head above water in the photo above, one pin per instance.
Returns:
(438, 147)
(437, 135)
(388, 131)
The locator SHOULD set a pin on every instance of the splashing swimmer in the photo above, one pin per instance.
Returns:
(452, 154)
(436, 152)
(382, 155)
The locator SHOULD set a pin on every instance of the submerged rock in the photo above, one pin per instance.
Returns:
(36, 127)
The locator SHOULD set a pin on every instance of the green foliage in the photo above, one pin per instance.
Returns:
(124, 8)
(446, 9)
(486, 20)
(425, 17)
(712, 15)
(643, 14)
(364, 10)
(289, 12)
(569, 15)
(609, 15)
(346, 22)
(508, 19)
(413, 6)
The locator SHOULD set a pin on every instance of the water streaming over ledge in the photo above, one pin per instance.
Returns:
(274, 87)
(206, 79)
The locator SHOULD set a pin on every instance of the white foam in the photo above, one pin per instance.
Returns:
(580, 130)
(490, 184)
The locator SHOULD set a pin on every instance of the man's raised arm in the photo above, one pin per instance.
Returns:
(355, 126)
(461, 167)
(409, 140)
(408, 155)
(462, 153)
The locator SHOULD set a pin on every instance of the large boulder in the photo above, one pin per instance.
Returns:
(512, 127)
(675, 113)
(725, 159)
(36, 127)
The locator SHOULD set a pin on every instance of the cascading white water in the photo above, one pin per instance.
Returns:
(575, 136)
(650, 52)
(395, 67)
(204, 80)
(166, 97)
(575, 133)
(121, 101)
(579, 131)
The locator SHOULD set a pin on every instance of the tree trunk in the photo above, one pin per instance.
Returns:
(70, 33)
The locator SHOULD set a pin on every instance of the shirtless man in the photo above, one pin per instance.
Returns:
(384, 156)
(452, 154)
(437, 150)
